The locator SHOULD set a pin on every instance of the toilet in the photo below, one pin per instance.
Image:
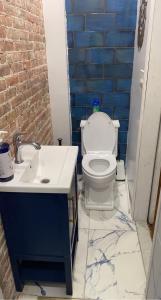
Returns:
(99, 139)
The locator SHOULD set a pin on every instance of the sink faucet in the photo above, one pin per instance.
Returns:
(17, 143)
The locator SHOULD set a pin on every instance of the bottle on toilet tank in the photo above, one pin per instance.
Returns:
(6, 165)
(96, 105)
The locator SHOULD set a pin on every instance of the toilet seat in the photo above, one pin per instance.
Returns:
(99, 165)
(99, 133)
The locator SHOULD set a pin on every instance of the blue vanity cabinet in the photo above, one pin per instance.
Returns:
(41, 233)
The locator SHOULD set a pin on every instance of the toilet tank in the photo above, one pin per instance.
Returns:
(116, 124)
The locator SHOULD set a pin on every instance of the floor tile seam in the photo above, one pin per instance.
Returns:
(141, 251)
(86, 268)
(128, 195)
(111, 230)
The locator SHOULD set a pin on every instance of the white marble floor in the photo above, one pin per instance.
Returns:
(108, 262)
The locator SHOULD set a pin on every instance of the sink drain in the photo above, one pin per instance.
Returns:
(45, 180)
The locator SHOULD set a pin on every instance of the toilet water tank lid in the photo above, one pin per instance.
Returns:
(99, 133)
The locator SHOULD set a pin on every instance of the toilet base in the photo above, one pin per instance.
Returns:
(96, 199)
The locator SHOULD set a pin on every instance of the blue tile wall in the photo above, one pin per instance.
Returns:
(77, 56)
(119, 39)
(89, 39)
(121, 6)
(75, 23)
(123, 85)
(69, 6)
(100, 55)
(100, 22)
(86, 71)
(126, 22)
(99, 86)
(70, 39)
(100, 41)
(88, 6)
(124, 55)
(118, 70)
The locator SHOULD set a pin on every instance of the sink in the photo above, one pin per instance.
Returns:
(49, 170)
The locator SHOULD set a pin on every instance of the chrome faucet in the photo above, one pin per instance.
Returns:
(17, 143)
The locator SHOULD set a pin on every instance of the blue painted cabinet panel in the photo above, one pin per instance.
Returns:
(37, 230)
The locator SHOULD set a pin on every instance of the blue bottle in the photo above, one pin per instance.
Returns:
(6, 165)
(96, 105)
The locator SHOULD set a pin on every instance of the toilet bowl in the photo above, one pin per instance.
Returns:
(99, 169)
(99, 137)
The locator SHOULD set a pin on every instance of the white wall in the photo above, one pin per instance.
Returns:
(56, 48)
(150, 122)
(153, 290)
(155, 184)
(139, 81)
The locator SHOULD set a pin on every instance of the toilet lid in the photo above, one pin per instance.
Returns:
(99, 133)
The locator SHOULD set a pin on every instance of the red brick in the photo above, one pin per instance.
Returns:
(4, 70)
(1, 7)
(2, 85)
(2, 100)
(12, 80)
(2, 32)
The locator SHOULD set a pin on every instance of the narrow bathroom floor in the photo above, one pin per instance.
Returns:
(108, 262)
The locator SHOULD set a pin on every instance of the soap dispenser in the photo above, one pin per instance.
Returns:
(6, 165)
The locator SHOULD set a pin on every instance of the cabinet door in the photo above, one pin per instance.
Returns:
(72, 204)
(35, 224)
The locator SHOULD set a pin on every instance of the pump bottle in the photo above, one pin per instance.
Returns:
(6, 165)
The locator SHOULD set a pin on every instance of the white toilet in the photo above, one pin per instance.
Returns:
(99, 149)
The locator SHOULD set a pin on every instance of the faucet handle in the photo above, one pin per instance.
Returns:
(17, 136)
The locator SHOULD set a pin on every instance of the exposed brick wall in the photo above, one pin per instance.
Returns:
(24, 96)
(6, 278)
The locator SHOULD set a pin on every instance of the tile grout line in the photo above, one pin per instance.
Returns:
(86, 258)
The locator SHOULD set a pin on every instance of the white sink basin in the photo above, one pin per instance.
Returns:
(49, 170)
